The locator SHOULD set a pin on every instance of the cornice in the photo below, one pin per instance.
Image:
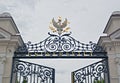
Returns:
(14, 40)
(114, 15)
(103, 39)
(107, 40)
(11, 20)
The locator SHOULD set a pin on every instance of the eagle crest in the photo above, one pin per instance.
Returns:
(59, 26)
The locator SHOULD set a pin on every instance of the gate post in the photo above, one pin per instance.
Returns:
(111, 43)
(9, 41)
(108, 74)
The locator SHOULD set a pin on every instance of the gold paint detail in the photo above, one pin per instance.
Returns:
(36, 54)
(84, 53)
(91, 53)
(59, 26)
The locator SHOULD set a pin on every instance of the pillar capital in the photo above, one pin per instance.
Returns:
(2, 59)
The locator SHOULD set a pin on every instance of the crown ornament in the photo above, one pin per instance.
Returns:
(59, 26)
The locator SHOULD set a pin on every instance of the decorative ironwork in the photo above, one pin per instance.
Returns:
(32, 73)
(92, 73)
(59, 27)
(63, 43)
(60, 45)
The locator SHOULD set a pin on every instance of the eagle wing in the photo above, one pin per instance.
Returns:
(53, 29)
(55, 24)
(64, 24)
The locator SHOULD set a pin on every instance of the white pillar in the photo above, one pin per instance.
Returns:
(1, 71)
(2, 62)
(8, 44)
(117, 61)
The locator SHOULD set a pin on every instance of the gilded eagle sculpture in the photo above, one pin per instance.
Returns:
(59, 27)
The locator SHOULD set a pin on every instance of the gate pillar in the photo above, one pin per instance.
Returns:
(111, 43)
(9, 41)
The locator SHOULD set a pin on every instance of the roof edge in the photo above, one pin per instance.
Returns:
(114, 14)
(8, 16)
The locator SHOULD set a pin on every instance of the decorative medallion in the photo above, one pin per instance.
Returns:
(59, 26)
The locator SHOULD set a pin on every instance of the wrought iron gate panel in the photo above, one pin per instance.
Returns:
(94, 73)
(25, 72)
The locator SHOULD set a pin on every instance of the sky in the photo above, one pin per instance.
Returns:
(87, 18)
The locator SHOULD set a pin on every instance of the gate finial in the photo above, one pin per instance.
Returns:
(58, 26)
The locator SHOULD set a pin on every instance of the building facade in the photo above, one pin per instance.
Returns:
(10, 39)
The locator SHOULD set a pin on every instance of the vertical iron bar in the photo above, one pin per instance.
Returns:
(104, 76)
(90, 74)
(72, 77)
(85, 76)
(16, 78)
(34, 73)
(100, 78)
(31, 75)
(53, 77)
(37, 73)
(20, 77)
(47, 80)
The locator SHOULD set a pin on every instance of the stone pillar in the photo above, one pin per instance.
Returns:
(117, 61)
(111, 43)
(10, 39)
(2, 63)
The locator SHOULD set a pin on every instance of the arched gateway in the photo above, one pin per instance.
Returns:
(62, 46)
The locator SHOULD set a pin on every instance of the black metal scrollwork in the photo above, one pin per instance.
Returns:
(26, 70)
(91, 73)
(60, 43)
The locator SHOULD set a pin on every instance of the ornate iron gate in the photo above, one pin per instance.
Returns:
(94, 73)
(26, 72)
(59, 46)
